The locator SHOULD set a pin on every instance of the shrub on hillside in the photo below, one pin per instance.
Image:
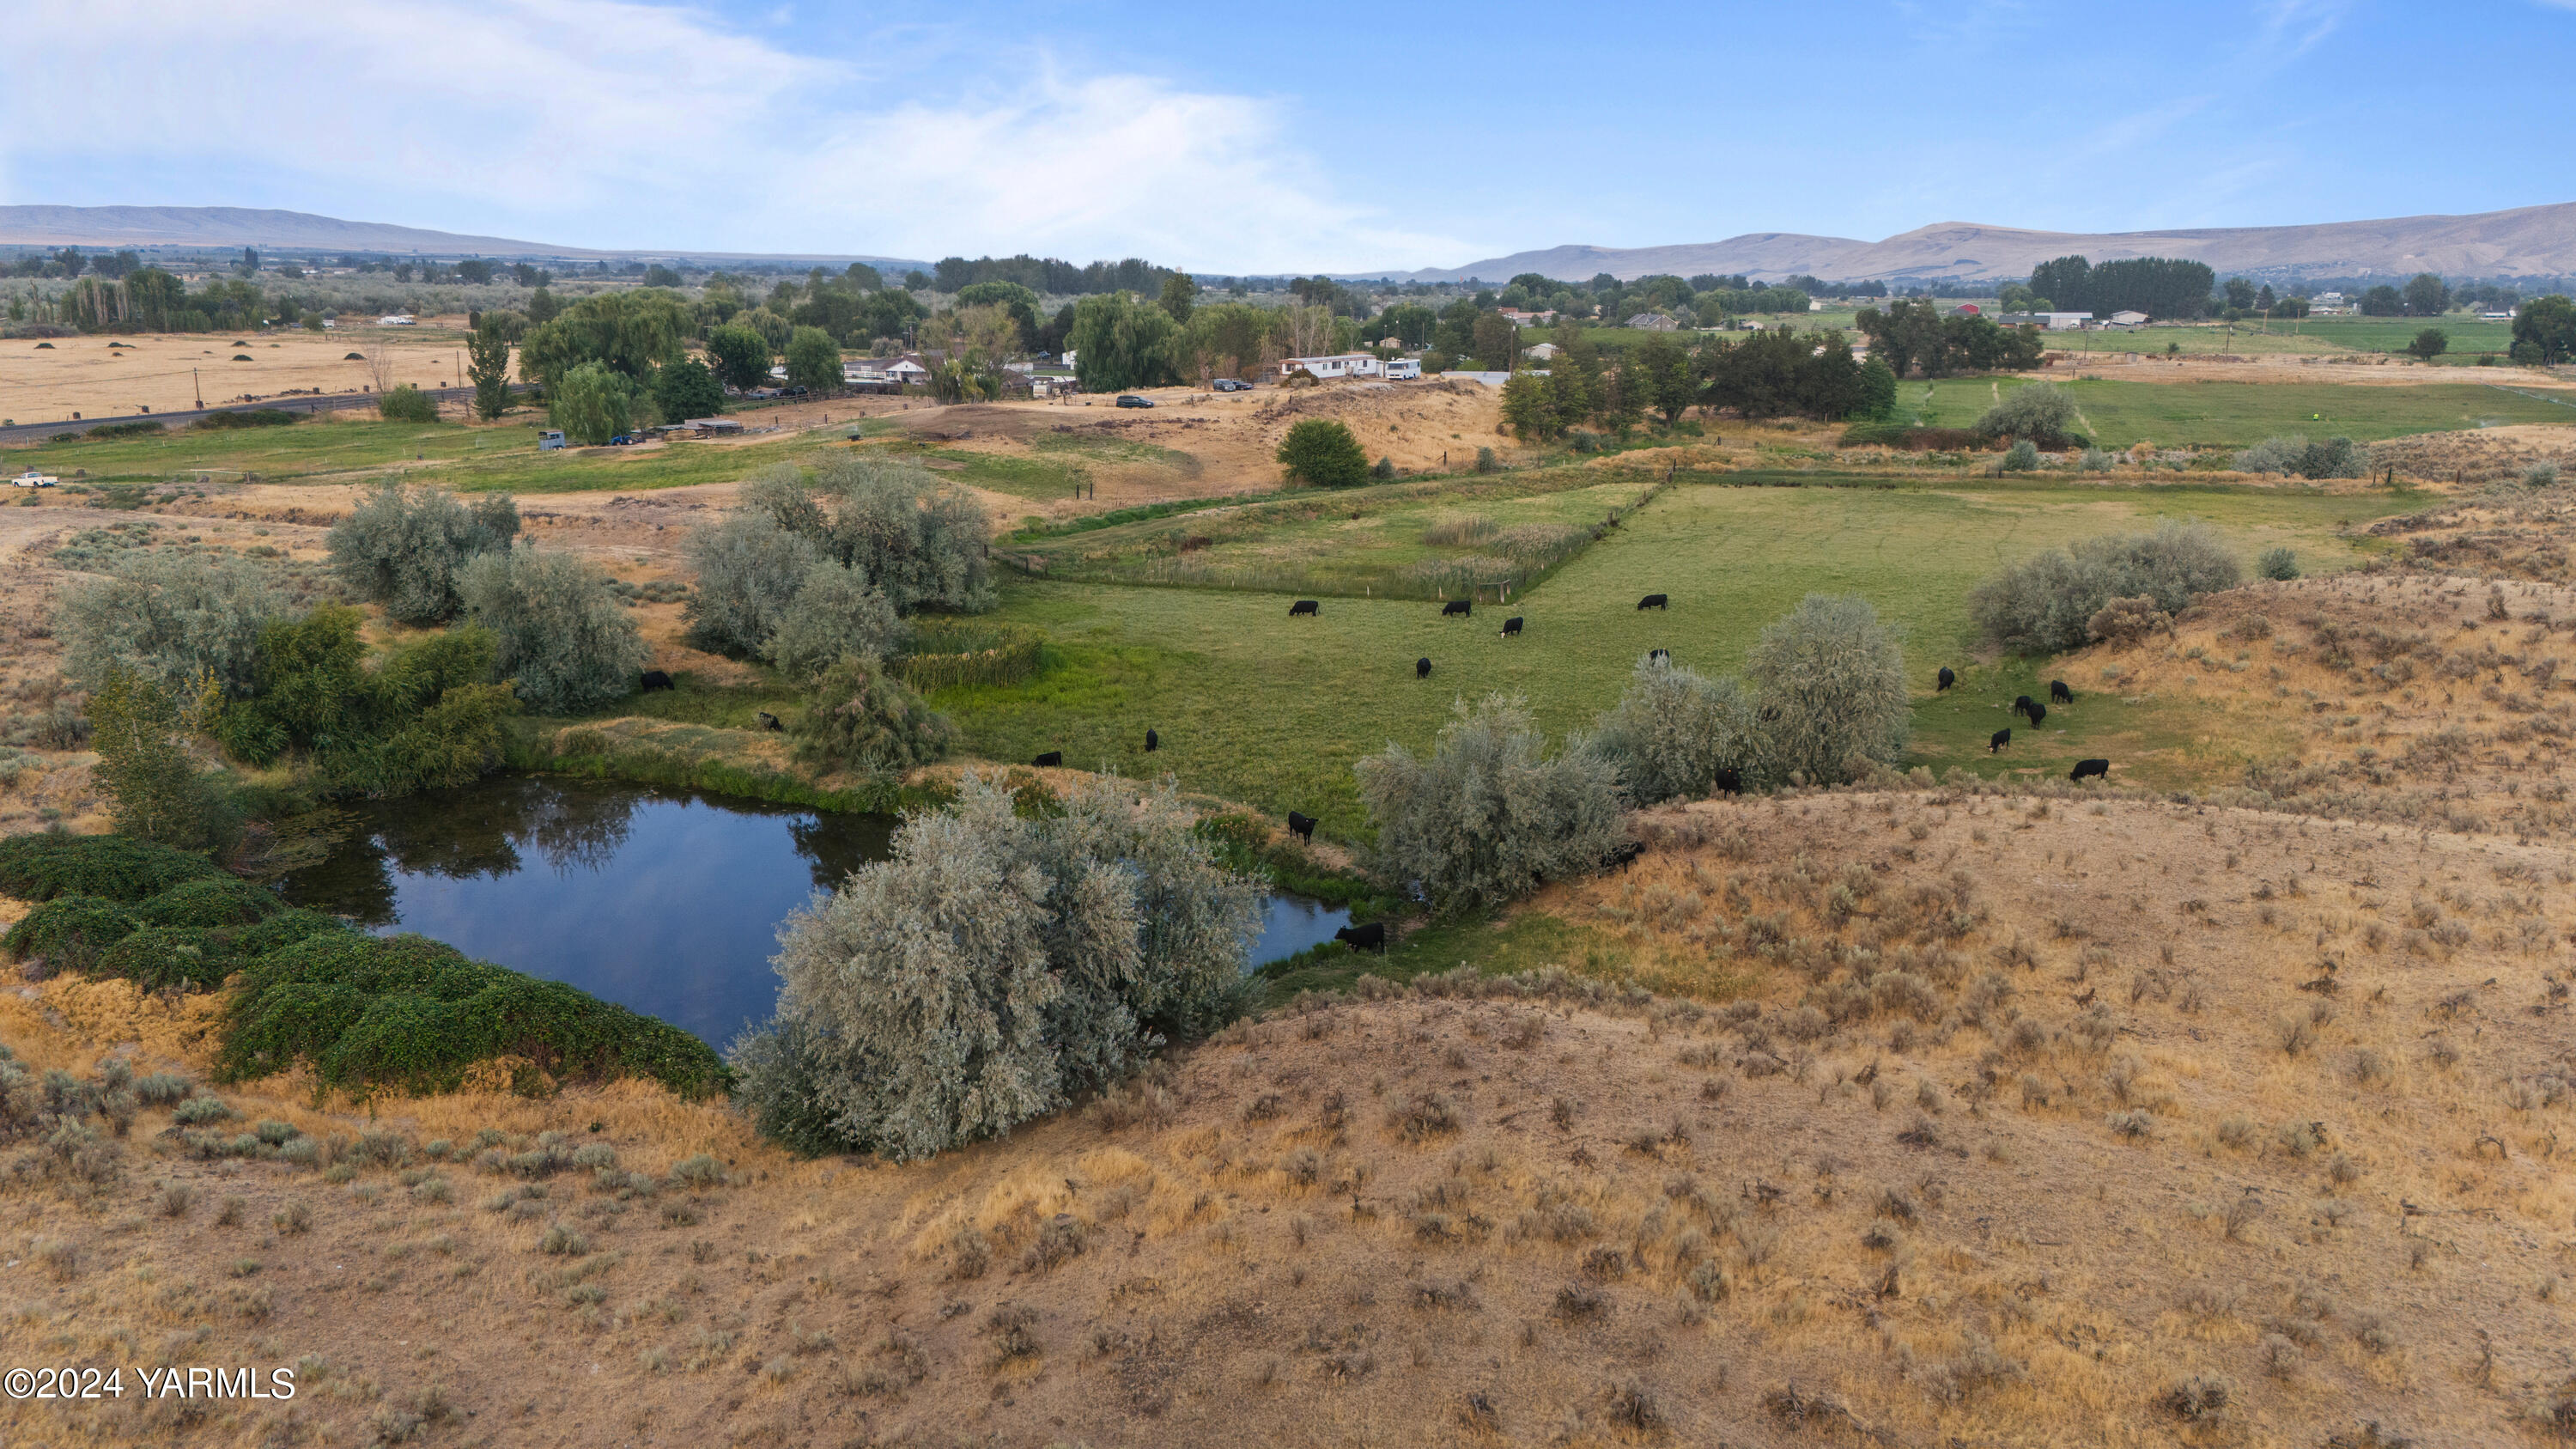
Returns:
(2126, 621)
(994, 967)
(836, 614)
(69, 931)
(1322, 452)
(171, 618)
(407, 404)
(2040, 413)
(2277, 563)
(1673, 731)
(2294, 454)
(2021, 457)
(859, 716)
(41, 867)
(1489, 816)
(914, 536)
(1832, 685)
(563, 638)
(154, 789)
(2044, 602)
(427, 714)
(414, 1014)
(403, 547)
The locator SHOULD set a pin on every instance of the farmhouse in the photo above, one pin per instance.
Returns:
(1967, 309)
(1542, 352)
(1653, 322)
(1340, 364)
(1527, 319)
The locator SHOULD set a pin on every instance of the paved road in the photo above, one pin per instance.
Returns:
(307, 403)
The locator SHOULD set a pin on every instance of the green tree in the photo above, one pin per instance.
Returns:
(1877, 397)
(1674, 730)
(1322, 452)
(2427, 296)
(2039, 412)
(1494, 341)
(2240, 294)
(837, 614)
(1180, 296)
(2430, 343)
(687, 389)
(629, 333)
(2383, 301)
(813, 360)
(740, 356)
(154, 790)
(1528, 410)
(2545, 330)
(1120, 343)
(1832, 684)
(542, 307)
(1909, 335)
(487, 365)
(859, 716)
(591, 403)
(1661, 371)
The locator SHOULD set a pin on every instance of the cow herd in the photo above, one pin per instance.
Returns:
(2033, 711)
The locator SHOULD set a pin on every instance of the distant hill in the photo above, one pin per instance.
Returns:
(234, 226)
(2530, 241)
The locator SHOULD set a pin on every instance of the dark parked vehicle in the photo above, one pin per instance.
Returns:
(795, 392)
(1130, 400)
(622, 440)
(1228, 384)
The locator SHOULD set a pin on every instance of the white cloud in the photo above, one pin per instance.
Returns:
(617, 123)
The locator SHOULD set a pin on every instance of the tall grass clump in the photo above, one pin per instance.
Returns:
(995, 967)
(173, 619)
(1489, 816)
(562, 637)
(1674, 731)
(405, 547)
(2042, 603)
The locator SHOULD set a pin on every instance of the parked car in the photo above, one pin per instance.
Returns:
(1228, 384)
(1131, 400)
(794, 392)
(763, 392)
(33, 479)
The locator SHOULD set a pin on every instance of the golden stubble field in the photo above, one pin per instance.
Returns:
(99, 378)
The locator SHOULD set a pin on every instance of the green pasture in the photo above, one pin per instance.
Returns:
(1400, 539)
(2324, 335)
(1255, 706)
(459, 455)
(2241, 414)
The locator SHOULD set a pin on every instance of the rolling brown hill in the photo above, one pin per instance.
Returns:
(2538, 241)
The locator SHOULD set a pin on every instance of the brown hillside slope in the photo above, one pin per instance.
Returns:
(1971, 1118)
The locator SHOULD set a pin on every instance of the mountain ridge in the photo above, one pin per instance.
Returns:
(2533, 241)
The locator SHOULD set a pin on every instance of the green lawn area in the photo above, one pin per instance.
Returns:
(1391, 539)
(2327, 335)
(1254, 706)
(2241, 414)
(458, 455)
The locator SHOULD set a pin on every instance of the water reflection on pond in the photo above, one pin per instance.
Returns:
(667, 901)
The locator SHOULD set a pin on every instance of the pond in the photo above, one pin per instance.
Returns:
(666, 901)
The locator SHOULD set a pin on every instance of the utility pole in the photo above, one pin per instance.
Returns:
(198, 388)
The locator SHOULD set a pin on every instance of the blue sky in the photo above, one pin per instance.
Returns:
(1232, 137)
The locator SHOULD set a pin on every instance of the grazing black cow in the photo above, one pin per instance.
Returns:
(2021, 704)
(1301, 826)
(769, 721)
(1422, 669)
(2090, 767)
(2038, 712)
(1730, 781)
(1305, 606)
(1659, 656)
(1371, 937)
(1456, 606)
(1654, 601)
(1942, 685)
(1623, 857)
(1153, 742)
(1511, 626)
(655, 679)
(1051, 759)
(2058, 693)
(2000, 739)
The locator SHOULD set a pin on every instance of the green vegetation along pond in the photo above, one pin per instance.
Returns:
(665, 901)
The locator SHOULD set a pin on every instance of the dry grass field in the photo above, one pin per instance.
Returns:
(1960, 1117)
(104, 376)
